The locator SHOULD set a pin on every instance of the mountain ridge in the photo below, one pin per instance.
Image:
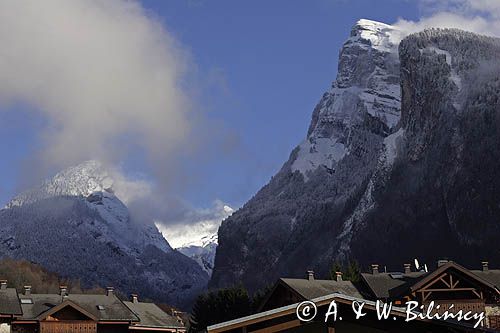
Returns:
(75, 225)
(382, 196)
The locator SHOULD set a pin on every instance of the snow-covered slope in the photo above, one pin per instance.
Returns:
(76, 216)
(367, 85)
(80, 180)
(199, 240)
(202, 252)
(90, 180)
(270, 236)
(401, 152)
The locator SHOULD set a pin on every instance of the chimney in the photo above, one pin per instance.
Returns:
(310, 275)
(135, 298)
(3, 284)
(109, 291)
(339, 276)
(485, 266)
(442, 262)
(63, 291)
(407, 268)
(374, 269)
(27, 290)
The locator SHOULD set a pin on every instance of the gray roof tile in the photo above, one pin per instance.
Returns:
(152, 316)
(114, 309)
(492, 276)
(310, 289)
(386, 285)
(9, 303)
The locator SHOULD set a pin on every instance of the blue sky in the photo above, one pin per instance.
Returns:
(260, 68)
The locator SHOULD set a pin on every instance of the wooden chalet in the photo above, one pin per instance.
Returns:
(284, 319)
(450, 283)
(477, 291)
(80, 313)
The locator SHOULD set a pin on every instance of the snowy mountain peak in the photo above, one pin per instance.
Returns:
(92, 182)
(366, 91)
(80, 180)
(381, 36)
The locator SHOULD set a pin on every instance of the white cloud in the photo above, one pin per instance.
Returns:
(104, 73)
(195, 226)
(480, 16)
(130, 189)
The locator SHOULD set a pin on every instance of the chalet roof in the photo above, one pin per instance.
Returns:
(388, 285)
(288, 309)
(152, 316)
(9, 303)
(310, 289)
(491, 275)
(66, 303)
(112, 308)
(321, 301)
(447, 266)
(391, 285)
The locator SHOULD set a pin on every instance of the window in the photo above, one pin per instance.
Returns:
(100, 307)
(26, 301)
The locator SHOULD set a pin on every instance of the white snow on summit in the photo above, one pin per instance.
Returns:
(198, 240)
(81, 180)
(91, 181)
(196, 230)
(383, 37)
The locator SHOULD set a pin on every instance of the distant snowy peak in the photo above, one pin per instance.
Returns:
(199, 240)
(366, 90)
(203, 254)
(199, 229)
(202, 241)
(81, 180)
(92, 182)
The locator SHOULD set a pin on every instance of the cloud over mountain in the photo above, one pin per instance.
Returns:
(105, 75)
(480, 16)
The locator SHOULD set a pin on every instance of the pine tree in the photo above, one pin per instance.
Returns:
(337, 267)
(351, 272)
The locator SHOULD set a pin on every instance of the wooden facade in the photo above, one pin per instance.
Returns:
(68, 326)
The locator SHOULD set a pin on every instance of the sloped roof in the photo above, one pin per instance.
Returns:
(66, 303)
(492, 276)
(114, 309)
(152, 316)
(324, 300)
(391, 285)
(310, 289)
(444, 268)
(9, 302)
(388, 285)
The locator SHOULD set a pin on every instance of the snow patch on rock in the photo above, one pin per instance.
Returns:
(367, 86)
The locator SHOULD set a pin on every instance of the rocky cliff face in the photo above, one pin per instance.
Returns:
(74, 225)
(441, 196)
(401, 153)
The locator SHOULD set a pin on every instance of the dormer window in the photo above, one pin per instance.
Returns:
(26, 301)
